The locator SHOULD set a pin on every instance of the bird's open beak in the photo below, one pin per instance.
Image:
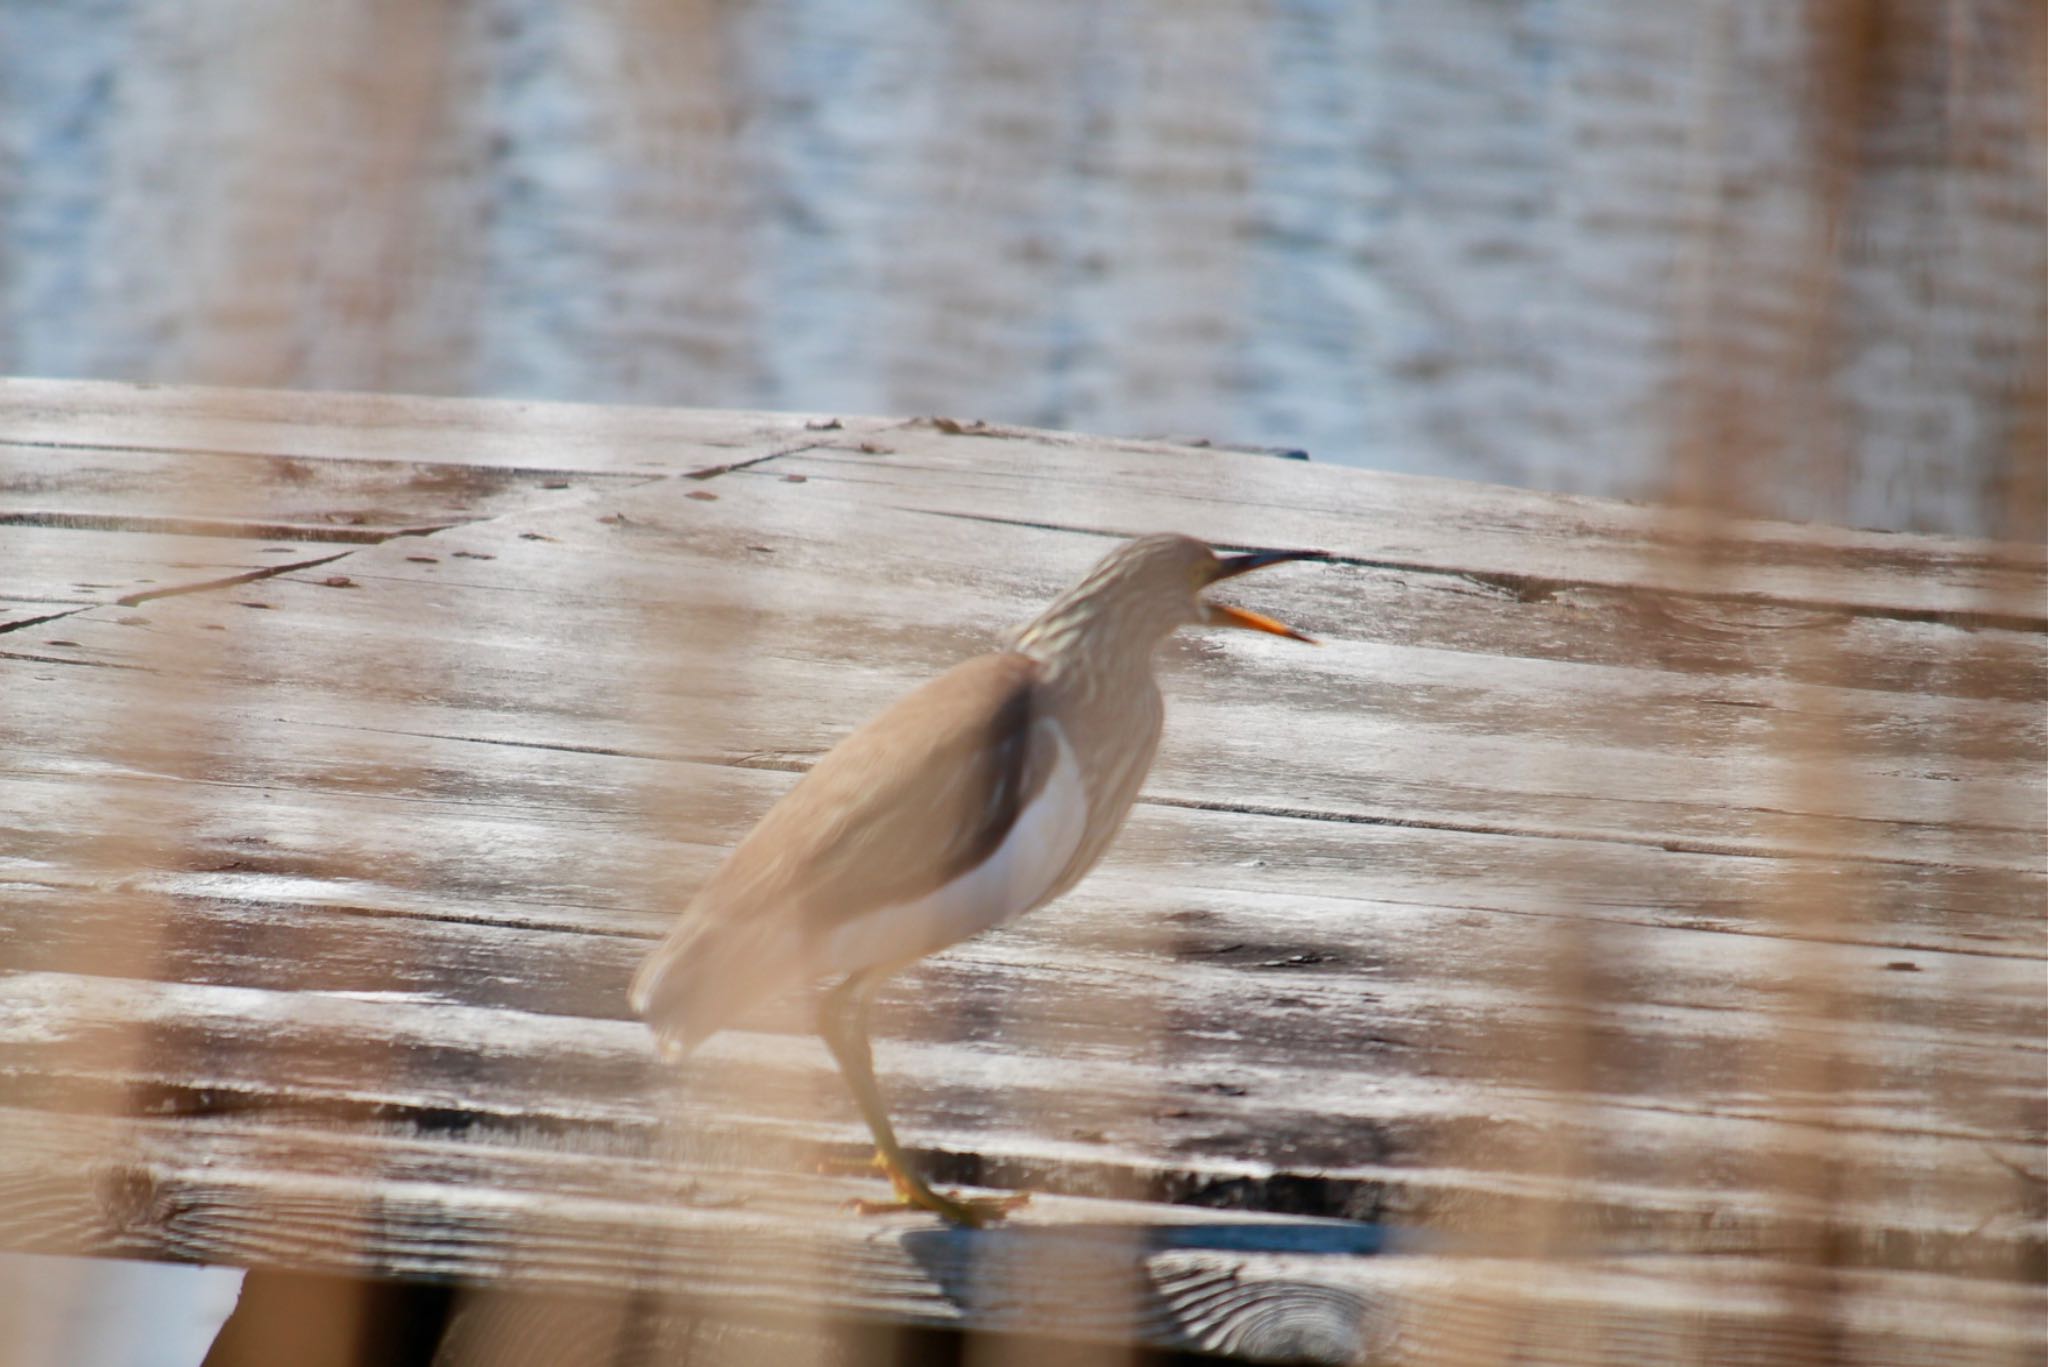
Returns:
(1224, 615)
(1229, 567)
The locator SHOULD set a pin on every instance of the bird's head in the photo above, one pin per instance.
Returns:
(1144, 589)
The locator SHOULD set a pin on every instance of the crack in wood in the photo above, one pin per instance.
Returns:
(1675, 844)
(29, 658)
(217, 527)
(559, 747)
(228, 581)
(39, 621)
(352, 461)
(714, 471)
(1532, 588)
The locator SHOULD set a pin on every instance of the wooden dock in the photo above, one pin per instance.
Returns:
(1623, 941)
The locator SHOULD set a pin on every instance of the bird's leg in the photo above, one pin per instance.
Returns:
(844, 1024)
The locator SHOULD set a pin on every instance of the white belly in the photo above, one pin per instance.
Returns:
(1010, 882)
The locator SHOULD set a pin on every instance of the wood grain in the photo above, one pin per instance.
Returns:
(608, 440)
(1533, 543)
(1253, 1286)
(1400, 733)
(324, 907)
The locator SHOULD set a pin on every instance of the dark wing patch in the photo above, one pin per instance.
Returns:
(925, 791)
(1017, 764)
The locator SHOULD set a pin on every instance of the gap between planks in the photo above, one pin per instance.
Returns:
(1534, 588)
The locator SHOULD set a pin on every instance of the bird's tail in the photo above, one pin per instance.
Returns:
(698, 980)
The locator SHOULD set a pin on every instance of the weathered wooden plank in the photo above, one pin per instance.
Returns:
(1051, 1089)
(52, 572)
(482, 434)
(1399, 734)
(1604, 1311)
(375, 863)
(478, 767)
(518, 693)
(351, 501)
(1257, 1287)
(1409, 995)
(1522, 539)
(1254, 1122)
(1424, 1019)
(1414, 994)
(114, 524)
(393, 1208)
(1152, 922)
(1535, 543)
(1705, 638)
(630, 592)
(477, 789)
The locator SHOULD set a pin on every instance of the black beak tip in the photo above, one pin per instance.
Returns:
(1230, 566)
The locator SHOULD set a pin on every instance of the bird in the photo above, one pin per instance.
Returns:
(976, 798)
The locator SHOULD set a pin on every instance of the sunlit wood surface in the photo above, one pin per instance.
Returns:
(1622, 940)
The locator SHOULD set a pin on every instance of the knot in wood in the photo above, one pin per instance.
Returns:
(130, 1198)
(1261, 1319)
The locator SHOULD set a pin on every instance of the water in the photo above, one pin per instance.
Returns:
(1546, 242)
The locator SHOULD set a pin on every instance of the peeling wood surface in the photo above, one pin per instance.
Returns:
(303, 859)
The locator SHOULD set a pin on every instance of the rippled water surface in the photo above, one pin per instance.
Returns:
(1566, 245)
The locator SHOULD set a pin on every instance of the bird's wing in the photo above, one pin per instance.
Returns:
(917, 796)
(921, 795)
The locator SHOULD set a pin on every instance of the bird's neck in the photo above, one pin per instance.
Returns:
(1107, 705)
(1080, 647)
(1095, 679)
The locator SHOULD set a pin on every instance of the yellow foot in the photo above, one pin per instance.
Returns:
(912, 1193)
(977, 1212)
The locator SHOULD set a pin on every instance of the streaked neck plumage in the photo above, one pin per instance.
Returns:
(1094, 649)
(1093, 638)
